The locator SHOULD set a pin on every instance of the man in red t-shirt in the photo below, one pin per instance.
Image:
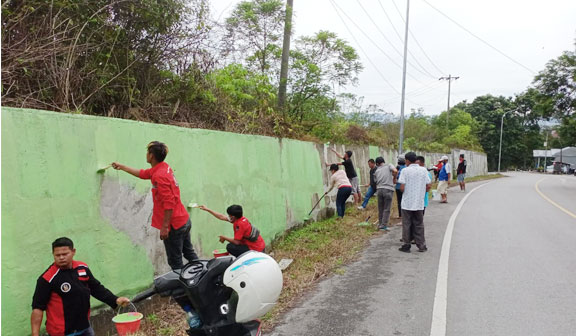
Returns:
(169, 215)
(246, 236)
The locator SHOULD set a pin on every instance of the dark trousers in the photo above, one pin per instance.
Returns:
(399, 201)
(341, 197)
(86, 332)
(236, 250)
(413, 227)
(178, 244)
(384, 205)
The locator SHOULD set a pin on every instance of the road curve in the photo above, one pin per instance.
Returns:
(511, 270)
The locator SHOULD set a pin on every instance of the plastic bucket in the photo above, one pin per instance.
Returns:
(220, 253)
(127, 323)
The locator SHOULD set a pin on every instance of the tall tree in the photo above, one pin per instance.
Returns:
(253, 33)
(318, 63)
(557, 99)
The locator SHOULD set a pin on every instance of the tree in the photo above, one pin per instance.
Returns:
(556, 85)
(253, 32)
(99, 57)
(317, 64)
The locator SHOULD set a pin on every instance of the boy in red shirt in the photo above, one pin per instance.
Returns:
(169, 215)
(246, 236)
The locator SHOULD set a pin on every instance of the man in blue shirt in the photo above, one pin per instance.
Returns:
(444, 179)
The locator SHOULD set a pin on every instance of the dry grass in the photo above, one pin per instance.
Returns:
(166, 318)
(320, 249)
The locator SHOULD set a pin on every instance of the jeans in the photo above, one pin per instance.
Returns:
(236, 250)
(369, 193)
(178, 244)
(384, 205)
(341, 197)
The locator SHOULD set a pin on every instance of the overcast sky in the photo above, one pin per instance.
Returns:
(528, 31)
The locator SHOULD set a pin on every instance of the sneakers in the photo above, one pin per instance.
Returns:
(405, 248)
(422, 248)
(360, 207)
(383, 228)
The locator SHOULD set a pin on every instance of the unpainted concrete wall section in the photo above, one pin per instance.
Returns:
(477, 163)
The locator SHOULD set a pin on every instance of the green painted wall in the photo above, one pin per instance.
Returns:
(50, 189)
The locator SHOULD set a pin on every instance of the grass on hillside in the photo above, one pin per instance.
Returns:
(318, 249)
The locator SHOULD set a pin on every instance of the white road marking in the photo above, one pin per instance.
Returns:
(438, 327)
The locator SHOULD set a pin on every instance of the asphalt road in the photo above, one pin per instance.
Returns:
(511, 270)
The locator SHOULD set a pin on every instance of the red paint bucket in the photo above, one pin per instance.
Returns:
(220, 253)
(127, 323)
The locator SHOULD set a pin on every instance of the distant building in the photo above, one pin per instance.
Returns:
(567, 156)
(540, 155)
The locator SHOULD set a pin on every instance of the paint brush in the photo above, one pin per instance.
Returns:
(102, 170)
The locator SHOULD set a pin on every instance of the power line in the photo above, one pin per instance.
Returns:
(425, 54)
(379, 30)
(424, 90)
(366, 35)
(479, 38)
(362, 49)
(415, 39)
(424, 72)
(335, 5)
(450, 78)
(389, 20)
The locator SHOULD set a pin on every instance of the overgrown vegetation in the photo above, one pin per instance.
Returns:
(171, 62)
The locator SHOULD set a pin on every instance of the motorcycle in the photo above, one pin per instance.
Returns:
(225, 296)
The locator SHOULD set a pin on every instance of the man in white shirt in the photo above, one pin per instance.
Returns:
(414, 183)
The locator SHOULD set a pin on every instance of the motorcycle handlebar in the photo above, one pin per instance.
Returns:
(144, 295)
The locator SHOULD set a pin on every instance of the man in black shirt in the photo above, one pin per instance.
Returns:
(350, 173)
(371, 187)
(461, 173)
(64, 290)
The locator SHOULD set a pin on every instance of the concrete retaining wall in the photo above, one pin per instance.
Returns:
(50, 188)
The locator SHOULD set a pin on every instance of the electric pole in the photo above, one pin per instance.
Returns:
(285, 56)
(400, 145)
(450, 78)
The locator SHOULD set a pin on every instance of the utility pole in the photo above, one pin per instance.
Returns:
(400, 145)
(450, 78)
(285, 56)
(546, 153)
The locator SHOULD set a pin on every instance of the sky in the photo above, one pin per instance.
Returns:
(528, 32)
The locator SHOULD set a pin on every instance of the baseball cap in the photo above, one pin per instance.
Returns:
(444, 157)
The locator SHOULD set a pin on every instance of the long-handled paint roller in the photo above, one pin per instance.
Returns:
(102, 170)
(314, 207)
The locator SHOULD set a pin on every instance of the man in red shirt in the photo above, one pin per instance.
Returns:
(63, 291)
(246, 236)
(169, 215)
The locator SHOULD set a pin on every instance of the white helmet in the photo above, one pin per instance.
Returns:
(257, 280)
